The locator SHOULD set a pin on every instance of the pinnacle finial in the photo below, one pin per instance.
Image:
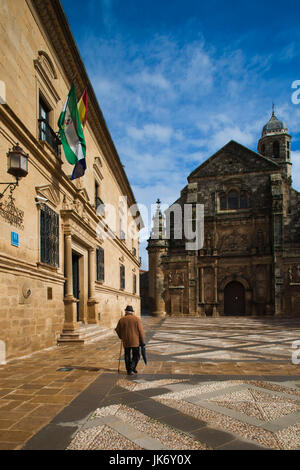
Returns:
(158, 201)
(273, 109)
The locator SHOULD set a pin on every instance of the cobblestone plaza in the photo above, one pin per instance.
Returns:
(209, 384)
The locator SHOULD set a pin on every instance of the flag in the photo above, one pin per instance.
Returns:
(71, 134)
(82, 108)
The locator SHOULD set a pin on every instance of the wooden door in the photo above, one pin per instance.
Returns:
(234, 299)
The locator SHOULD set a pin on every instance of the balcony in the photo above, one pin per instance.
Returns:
(47, 134)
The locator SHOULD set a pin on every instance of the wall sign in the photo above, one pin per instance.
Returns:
(15, 239)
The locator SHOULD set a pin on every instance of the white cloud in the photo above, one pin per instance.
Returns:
(295, 159)
(171, 105)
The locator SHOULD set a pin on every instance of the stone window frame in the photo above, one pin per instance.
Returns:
(225, 194)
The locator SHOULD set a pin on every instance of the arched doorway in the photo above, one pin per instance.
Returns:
(234, 299)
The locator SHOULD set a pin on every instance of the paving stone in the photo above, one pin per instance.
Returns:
(240, 445)
(212, 437)
(182, 422)
(51, 437)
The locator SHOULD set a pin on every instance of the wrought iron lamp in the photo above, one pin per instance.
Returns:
(17, 165)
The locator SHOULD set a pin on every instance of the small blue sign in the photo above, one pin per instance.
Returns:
(14, 239)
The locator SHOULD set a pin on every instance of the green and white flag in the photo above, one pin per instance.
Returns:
(70, 130)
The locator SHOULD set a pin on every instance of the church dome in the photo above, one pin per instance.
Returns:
(274, 126)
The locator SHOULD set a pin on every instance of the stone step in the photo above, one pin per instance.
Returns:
(84, 334)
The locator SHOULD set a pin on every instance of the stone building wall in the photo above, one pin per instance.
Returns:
(39, 60)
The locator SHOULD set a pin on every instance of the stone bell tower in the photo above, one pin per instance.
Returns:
(275, 143)
(157, 247)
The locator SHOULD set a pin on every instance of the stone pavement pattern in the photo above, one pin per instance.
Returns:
(211, 383)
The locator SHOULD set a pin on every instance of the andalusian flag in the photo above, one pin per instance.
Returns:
(71, 135)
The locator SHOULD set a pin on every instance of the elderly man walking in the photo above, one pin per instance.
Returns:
(130, 331)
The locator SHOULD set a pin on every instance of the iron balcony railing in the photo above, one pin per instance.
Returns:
(47, 133)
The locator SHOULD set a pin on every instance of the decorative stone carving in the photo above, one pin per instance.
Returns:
(176, 278)
(46, 70)
(294, 275)
(235, 241)
(49, 192)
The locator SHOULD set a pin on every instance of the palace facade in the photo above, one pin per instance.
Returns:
(66, 271)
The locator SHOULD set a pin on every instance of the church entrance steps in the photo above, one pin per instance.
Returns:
(84, 334)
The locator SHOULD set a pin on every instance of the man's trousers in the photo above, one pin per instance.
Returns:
(132, 357)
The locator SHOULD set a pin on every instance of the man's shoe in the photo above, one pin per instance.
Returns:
(135, 371)
(130, 373)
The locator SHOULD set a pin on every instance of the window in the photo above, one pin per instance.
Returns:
(223, 202)
(122, 276)
(49, 233)
(96, 193)
(44, 112)
(100, 264)
(287, 145)
(99, 204)
(263, 149)
(276, 149)
(46, 133)
(233, 200)
(122, 233)
(134, 283)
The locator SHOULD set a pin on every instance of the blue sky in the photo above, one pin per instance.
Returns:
(176, 80)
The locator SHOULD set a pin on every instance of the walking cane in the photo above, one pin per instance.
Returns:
(120, 358)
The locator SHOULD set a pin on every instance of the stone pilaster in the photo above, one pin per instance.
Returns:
(92, 302)
(69, 300)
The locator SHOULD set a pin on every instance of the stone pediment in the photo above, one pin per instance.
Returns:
(233, 159)
(49, 192)
(84, 194)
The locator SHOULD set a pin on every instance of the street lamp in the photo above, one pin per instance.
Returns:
(17, 165)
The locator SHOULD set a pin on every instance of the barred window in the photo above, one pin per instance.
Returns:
(122, 276)
(100, 264)
(49, 232)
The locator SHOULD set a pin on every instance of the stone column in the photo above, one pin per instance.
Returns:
(68, 266)
(215, 311)
(202, 295)
(69, 301)
(92, 302)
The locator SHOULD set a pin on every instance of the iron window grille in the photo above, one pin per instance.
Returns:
(100, 264)
(49, 232)
(134, 283)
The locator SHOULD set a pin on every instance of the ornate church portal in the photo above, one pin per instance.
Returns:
(234, 299)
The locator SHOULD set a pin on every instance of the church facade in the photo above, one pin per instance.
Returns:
(249, 263)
